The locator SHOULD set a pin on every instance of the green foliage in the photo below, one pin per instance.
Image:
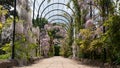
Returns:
(86, 33)
(113, 37)
(40, 22)
(113, 32)
(109, 41)
(65, 49)
(1, 26)
(7, 48)
(8, 21)
(105, 7)
(90, 47)
(5, 56)
(52, 33)
(87, 37)
(96, 44)
(6, 24)
(57, 50)
(51, 51)
(6, 2)
(2, 12)
(23, 48)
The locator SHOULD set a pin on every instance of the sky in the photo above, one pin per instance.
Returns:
(51, 8)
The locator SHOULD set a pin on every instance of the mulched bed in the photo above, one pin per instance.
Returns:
(12, 63)
(96, 63)
(8, 63)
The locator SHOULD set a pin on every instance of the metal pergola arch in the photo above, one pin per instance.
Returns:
(60, 16)
(14, 20)
(34, 2)
(55, 4)
(47, 7)
(57, 10)
(71, 22)
(40, 7)
(60, 20)
(67, 24)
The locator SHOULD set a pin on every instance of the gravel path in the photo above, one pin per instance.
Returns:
(57, 62)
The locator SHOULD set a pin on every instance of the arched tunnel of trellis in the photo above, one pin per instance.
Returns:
(76, 29)
(40, 27)
(54, 12)
(45, 25)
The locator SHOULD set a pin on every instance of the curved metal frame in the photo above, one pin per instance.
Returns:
(49, 6)
(71, 30)
(54, 4)
(14, 20)
(61, 20)
(67, 26)
(57, 10)
(40, 7)
(59, 15)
